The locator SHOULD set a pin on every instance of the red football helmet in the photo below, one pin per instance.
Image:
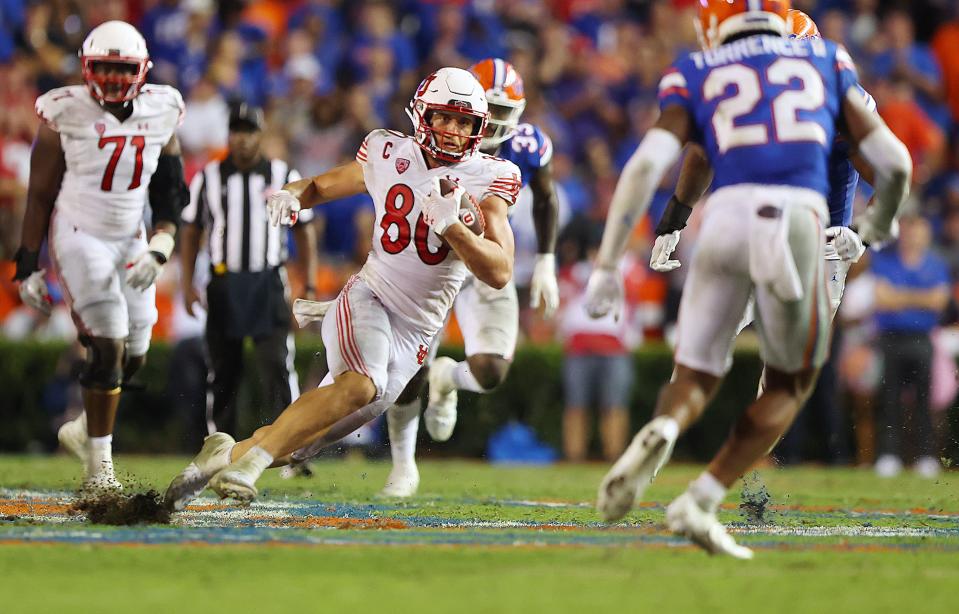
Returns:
(504, 93)
(115, 43)
(721, 19)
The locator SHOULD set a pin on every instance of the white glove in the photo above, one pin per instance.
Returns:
(306, 311)
(663, 248)
(847, 243)
(604, 293)
(284, 208)
(33, 292)
(543, 286)
(143, 272)
(440, 211)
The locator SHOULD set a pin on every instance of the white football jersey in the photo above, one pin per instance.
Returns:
(109, 163)
(411, 271)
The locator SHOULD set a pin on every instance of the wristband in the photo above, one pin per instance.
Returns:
(674, 217)
(27, 262)
(161, 246)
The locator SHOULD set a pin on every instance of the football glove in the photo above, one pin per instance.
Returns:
(604, 293)
(33, 292)
(847, 243)
(143, 272)
(283, 207)
(440, 211)
(663, 248)
(543, 288)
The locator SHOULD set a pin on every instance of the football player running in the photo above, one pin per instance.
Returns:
(488, 317)
(383, 322)
(765, 109)
(102, 149)
(843, 246)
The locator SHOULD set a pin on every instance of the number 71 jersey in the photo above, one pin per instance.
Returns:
(411, 270)
(109, 163)
(764, 107)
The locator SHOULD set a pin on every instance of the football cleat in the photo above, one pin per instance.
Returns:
(685, 517)
(73, 437)
(402, 481)
(440, 414)
(636, 468)
(213, 456)
(101, 483)
(237, 482)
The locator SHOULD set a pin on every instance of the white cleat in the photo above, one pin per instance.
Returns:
(236, 482)
(685, 517)
(402, 482)
(213, 456)
(102, 483)
(73, 437)
(888, 466)
(440, 413)
(636, 468)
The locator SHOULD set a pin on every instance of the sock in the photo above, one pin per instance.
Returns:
(403, 422)
(101, 456)
(707, 491)
(257, 459)
(463, 378)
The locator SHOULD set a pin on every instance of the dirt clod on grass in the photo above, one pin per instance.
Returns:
(754, 505)
(124, 509)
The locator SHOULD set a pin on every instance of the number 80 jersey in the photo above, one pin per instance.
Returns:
(764, 107)
(411, 270)
(108, 162)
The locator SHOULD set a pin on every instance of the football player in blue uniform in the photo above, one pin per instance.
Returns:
(765, 109)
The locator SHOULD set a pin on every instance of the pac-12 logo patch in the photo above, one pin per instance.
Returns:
(401, 165)
(100, 127)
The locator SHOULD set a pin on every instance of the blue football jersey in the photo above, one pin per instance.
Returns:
(843, 177)
(764, 107)
(529, 148)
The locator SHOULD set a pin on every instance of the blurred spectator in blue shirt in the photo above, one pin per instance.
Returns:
(913, 62)
(912, 290)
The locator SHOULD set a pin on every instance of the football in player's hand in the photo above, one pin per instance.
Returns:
(470, 213)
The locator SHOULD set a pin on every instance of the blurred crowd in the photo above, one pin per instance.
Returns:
(328, 71)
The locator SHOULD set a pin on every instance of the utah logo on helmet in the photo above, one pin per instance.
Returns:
(453, 90)
(504, 93)
(119, 44)
(721, 19)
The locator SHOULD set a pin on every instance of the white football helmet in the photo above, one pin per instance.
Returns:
(115, 42)
(454, 90)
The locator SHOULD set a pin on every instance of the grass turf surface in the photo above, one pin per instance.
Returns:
(484, 539)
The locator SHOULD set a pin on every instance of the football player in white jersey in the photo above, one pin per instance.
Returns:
(380, 329)
(104, 148)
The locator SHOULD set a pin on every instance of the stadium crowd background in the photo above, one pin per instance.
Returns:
(328, 71)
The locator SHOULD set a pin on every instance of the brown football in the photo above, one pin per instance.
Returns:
(470, 213)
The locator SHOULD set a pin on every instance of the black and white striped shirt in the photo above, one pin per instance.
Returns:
(231, 205)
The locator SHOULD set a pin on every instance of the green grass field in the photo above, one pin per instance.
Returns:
(478, 538)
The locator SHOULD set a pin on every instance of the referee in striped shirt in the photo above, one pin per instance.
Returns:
(248, 295)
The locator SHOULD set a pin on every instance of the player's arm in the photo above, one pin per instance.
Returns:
(543, 286)
(695, 175)
(490, 257)
(189, 237)
(890, 161)
(47, 167)
(168, 196)
(658, 151)
(338, 182)
(304, 235)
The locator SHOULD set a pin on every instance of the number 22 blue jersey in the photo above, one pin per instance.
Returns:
(764, 107)
(529, 148)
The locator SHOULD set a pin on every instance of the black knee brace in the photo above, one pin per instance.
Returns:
(101, 371)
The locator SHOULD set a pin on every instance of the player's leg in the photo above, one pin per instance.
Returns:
(714, 298)
(224, 370)
(794, 336)
(489, 320)
(402, 420)
(142, 315)
(88, 272)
